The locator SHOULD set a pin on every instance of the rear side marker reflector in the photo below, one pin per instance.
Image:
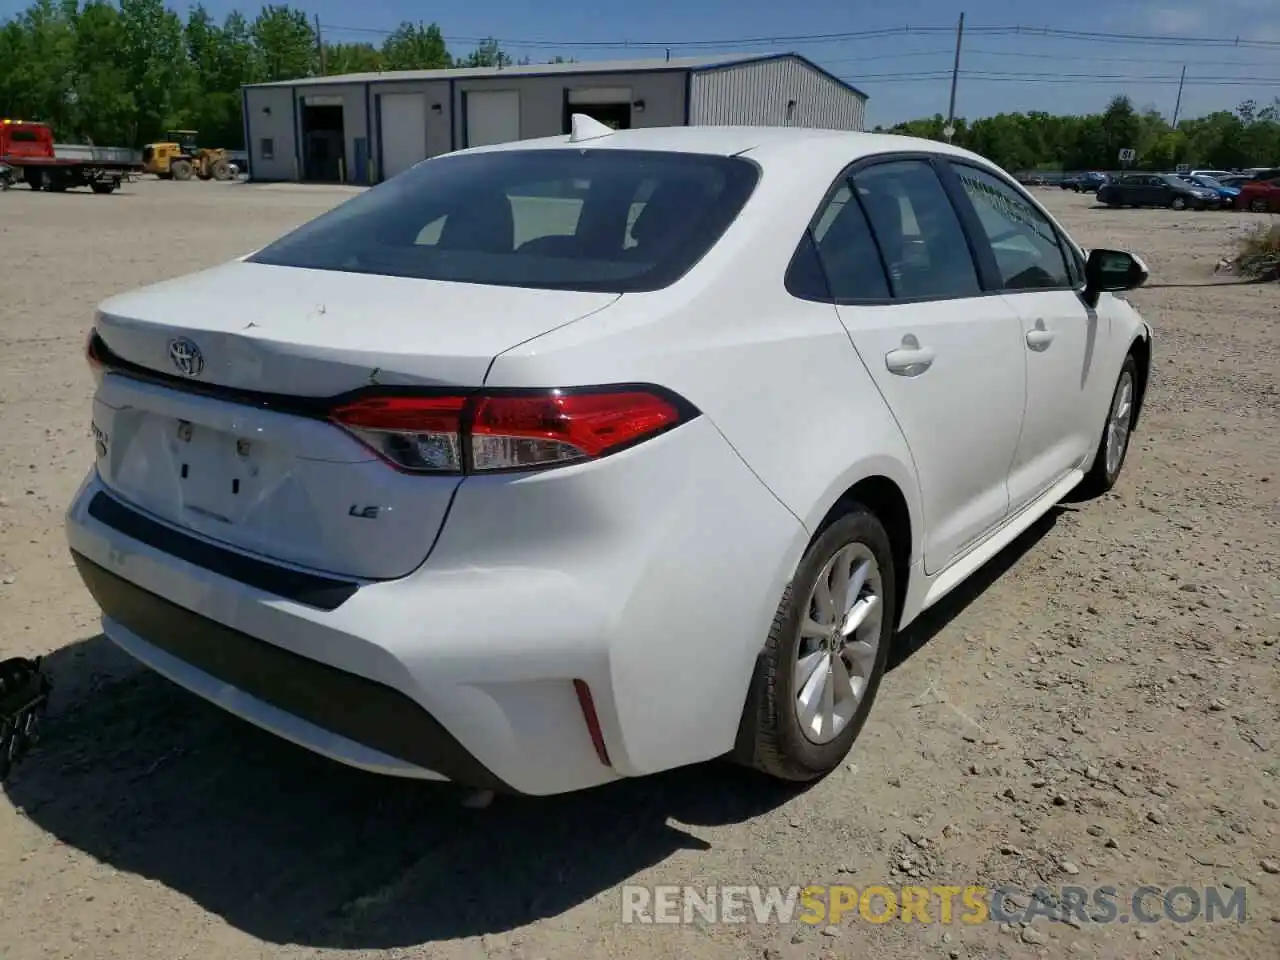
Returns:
(508, 431)
(588, 706)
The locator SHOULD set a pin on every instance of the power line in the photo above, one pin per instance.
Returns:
(1070, 79)
(946, 51)
(847, 36)
(1138, 38)
(699, 44)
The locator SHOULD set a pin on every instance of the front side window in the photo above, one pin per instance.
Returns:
(596, 220)
(917, 231)
(1025, 245)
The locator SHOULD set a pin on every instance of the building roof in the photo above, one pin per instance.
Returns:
(646, 65)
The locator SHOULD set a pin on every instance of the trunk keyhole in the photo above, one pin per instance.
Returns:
(184, 471)
(235, 486)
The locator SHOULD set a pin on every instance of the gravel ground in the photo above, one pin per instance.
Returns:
(1100, 708)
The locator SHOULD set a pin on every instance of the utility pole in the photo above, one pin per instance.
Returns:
(320, 45)
(949, 130)
(1177, 107)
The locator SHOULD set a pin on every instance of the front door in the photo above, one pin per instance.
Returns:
(947, 360)
(1060, 336)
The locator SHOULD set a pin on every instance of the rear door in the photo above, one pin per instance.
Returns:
(1061, 336)
(1158, 192)
(946, 358)
(1129, 190)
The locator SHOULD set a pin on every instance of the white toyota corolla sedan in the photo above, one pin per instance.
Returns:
(550, 463)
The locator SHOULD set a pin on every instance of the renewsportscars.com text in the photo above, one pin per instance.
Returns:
(974, 904)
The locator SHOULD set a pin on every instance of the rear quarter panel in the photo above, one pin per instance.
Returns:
(778, 376)
(779, 380)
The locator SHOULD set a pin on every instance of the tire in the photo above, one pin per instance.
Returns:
(1178, 203)
(1105, 470)
(108, 186)
(221, 170)
(1258, 206)
(180, 169)
(771, 736)
(35, 179)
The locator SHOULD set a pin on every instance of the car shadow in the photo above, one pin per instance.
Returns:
(294, 849)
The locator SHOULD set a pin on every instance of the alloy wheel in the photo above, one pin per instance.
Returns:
(839, 642)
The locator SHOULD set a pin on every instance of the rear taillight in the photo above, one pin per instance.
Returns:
(92, 347)
(508, 430)
(422, 434)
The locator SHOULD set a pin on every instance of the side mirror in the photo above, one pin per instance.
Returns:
(1112, 271)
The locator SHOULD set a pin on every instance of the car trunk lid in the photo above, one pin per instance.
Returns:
(217, 424)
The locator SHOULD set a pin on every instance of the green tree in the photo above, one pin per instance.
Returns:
(415, 47)
(488, 54)
(157, 69)
(286, 42)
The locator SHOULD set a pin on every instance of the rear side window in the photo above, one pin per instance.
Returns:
(1024, 243)
(24, 136)
(917, 230)
(595, 220)
(847, 251)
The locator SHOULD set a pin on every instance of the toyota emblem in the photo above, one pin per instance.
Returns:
(186, 356)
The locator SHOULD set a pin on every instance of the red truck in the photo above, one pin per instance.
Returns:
(27, 150)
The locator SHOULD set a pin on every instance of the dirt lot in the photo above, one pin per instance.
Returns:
(1100, 709)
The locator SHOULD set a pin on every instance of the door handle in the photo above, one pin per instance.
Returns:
(1039, 337)
(909, 360)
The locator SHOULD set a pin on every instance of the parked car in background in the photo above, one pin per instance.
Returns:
(1234, 180)
(626, 490)
(1084, 182)
(1225, 193)
(1157, 190)
(1216, 174)
(1033, 180)
(1259, 196)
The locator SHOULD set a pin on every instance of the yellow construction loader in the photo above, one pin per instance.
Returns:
(178, 158)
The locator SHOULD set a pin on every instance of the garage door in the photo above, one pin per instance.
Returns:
(404, 131)
(493, 116)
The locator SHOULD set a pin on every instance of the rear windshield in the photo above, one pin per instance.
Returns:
(597, 220)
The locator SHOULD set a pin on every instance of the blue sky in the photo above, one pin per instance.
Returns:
(1016, 72)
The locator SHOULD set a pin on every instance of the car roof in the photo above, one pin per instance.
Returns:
(802, 148)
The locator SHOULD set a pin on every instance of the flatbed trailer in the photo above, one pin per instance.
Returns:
(56, 175)
(28, 152)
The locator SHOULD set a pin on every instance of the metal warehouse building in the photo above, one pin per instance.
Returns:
(363, 128)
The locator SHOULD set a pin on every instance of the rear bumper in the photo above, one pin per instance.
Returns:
(652, 576)
(352, 719)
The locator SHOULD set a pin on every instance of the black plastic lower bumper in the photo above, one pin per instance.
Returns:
(351, 706)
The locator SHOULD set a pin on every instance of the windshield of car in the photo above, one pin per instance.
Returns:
(1174, 181)
(615, 221)
(1207, 182)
